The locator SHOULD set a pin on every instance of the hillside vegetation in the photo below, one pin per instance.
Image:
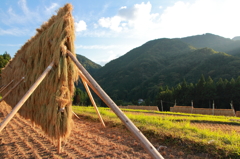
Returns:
(139, 73)
(88, 64)
(215, 42)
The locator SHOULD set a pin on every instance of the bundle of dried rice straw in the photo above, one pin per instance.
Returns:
(50, 104)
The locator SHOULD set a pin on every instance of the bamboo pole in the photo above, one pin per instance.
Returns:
(75, 115)
(59, 145)
(12, 89)
(90, 85)
(93, 102)
(127, 122)
(6, 86)
(25, 97)
(1, 86)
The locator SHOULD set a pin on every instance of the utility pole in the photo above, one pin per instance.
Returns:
(161, 105)
(234, 113)
(213, 108)
(192, 106)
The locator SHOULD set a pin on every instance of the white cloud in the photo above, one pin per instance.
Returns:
(111, 55)
(95, 47)
(137, 18)
(178, 20)
(80, 26)
(14, 31)
(23, 5)
(202, 16)
(111, 23)
(25, 18)
(52, 8)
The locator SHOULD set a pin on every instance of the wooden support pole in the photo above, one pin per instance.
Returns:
(162, 105)
(1, 87)
(213, 107)
(75, 115)
(93, 102)
(25, 97)
(90, 85)
(5, 95)
(127, 122)
(6, 86)
(59, 145)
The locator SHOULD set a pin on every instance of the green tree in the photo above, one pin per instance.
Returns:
(4, 59)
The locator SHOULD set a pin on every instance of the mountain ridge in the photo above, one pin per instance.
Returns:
(140, 72)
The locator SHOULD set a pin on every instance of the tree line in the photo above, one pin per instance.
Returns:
(4, 58)
(202, 94)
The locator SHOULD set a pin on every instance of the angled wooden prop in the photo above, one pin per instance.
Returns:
(90, 85)
(110, 103)
(5, 95)
(93, 102)
(75, 115)
(59, 145)
(25, 97)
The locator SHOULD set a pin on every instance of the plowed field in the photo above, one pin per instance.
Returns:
(87, 140)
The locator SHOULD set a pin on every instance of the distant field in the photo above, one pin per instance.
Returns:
(214, 135)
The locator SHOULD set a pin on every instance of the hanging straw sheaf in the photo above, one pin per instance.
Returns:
(50, 104)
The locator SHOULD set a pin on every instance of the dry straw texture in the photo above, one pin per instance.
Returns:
(56, 91)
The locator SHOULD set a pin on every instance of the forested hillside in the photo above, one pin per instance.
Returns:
(88, 64)
(218, 43)
(139, 73)
(203, 94)
(122, 78)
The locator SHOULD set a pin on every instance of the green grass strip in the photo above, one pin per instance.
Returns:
(175, 127)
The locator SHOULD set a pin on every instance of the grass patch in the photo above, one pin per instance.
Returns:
(175, 128)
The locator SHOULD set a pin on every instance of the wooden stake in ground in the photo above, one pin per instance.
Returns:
(127, 122)
(93, 102)
(59, 145)
(6, 86)
(25, 97)
(11, 89)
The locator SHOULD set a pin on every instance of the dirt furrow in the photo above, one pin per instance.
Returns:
(17, 146)
(42, 146)
(105, 142)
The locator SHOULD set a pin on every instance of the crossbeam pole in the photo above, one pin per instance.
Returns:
(3, 88)
(110, 103)
(25, 97)
(5, 95)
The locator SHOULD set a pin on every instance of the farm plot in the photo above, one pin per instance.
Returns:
(178, 130)
(88, 139)
(218, 127)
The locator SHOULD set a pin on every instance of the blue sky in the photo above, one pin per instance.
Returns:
(107, 29)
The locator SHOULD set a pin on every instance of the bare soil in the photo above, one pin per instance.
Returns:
(88, 139)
